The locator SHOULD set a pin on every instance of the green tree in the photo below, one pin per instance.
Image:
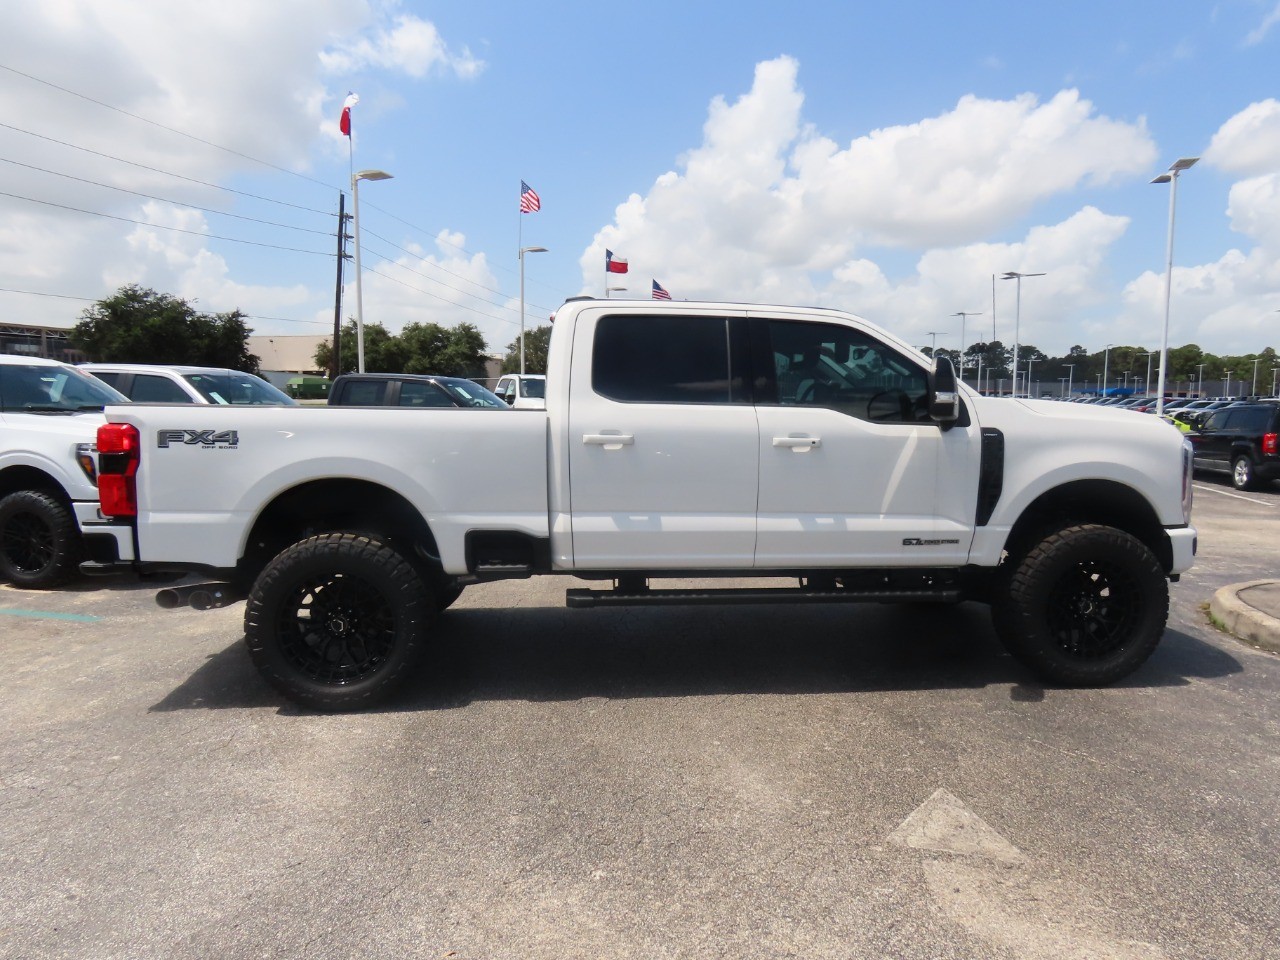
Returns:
(536, 343)
(420, 348)
(139, 325)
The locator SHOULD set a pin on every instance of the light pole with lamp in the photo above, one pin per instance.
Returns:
(523, 251)
(1017, 319)
(1147, 381)
(1274, 371)
(1106, 358)
(1071, 373)
(355, 224)
(1030, 361)
(933, 347)
(1253, 391)
(1171, 178)
(1200, 385)
(609, 290)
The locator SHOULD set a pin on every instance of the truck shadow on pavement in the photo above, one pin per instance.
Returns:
(540, 654)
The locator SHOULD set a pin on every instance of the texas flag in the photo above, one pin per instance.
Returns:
(344, 123)
(614, 264)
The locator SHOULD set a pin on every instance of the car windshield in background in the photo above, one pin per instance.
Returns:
(45, 389)
(534, 388)
(468, 394)
(244, 388)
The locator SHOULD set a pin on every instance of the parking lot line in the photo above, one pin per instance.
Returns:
(51, 615)
(1234, 496)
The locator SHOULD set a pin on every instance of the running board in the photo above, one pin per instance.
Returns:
(719, 596)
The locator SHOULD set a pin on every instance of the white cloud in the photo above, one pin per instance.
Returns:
(1259, 33)
(1249, 142)
(408, 45)
(767, 209)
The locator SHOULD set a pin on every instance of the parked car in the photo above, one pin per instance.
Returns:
(49, 517)
(1240, 441)
(409, 390)
(156, 383)
(523, 391)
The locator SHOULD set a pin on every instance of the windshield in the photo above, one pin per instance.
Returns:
(237, 388)
(468, 394)
(39, 388)
(534, 388)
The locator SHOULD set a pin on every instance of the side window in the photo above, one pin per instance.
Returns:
(1217, 420)
(414, 393)
(363, 393)
(109, 377)
(503, 390)
(844, 369)
(665, 359)
(148, 388)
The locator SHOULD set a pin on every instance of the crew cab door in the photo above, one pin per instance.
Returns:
(852, 469)
(662, 441)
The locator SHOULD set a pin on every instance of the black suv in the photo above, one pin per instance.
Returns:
(409, 390)
(1240, 441)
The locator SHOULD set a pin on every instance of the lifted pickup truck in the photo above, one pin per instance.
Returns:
(679, 440)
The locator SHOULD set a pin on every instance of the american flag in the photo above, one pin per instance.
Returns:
(529, 200)
(659, 293)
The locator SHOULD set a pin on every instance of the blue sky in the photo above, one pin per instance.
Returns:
(886, 159)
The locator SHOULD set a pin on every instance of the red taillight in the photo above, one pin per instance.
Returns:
(118, 449)
(1269, 443)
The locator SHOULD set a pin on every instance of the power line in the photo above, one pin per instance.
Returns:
(67, 296)
(160, 226)
(154, 123)
(167, 173)
(179, 203)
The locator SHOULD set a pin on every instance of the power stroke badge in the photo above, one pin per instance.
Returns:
(918, 542)
(206, 439)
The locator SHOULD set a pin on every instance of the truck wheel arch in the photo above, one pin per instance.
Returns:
(1105, 502)
(337, 505)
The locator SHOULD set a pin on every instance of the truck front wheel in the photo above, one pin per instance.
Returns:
(40, 543)
(1085, 606)
(337, 621)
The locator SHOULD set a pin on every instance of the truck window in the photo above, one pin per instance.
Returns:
(665, 359)
(148, 388)
(844, 369)
(415, 393)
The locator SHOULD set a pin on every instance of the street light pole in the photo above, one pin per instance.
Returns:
(1200, 386)
(1071, 373)
(1147, 381)
(1106, 357)
(1017, 319)
(355, 223)
(963, 315)
(1253, 391)
(1171, 178)
(523, 251)
(933, 349)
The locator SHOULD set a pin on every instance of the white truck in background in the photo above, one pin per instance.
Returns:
(49, 520)
(679, 440)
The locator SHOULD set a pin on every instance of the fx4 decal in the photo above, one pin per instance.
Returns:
(207, 439)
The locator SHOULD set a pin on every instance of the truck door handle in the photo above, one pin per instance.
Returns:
(609, 439)
(798, 444)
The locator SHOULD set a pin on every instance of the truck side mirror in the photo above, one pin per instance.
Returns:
(944, 397)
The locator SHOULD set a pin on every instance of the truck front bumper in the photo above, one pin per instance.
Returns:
(1182, 548)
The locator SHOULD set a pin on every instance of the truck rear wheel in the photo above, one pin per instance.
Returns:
(337, 621)
(1085, 606)
(40, 543)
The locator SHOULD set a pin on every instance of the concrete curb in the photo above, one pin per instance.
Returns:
(1244, 621)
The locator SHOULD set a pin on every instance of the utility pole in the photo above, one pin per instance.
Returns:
(334, 367)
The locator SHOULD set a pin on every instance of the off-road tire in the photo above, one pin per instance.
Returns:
(1243, 476)
(40, 545)
(1084, 606)
(338, 621)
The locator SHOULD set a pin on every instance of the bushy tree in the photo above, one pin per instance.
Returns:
(419, 348)
(139, 325)
(536, 343)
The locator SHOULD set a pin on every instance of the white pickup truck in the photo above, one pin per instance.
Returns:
(679, 440)
(49, 520)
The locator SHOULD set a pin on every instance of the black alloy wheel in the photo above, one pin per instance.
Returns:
(1084, 606)
(40, 544)
(338, 621)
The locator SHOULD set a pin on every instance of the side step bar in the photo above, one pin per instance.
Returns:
(582, 597)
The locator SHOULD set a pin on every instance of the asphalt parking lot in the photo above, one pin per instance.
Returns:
(873, 781)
